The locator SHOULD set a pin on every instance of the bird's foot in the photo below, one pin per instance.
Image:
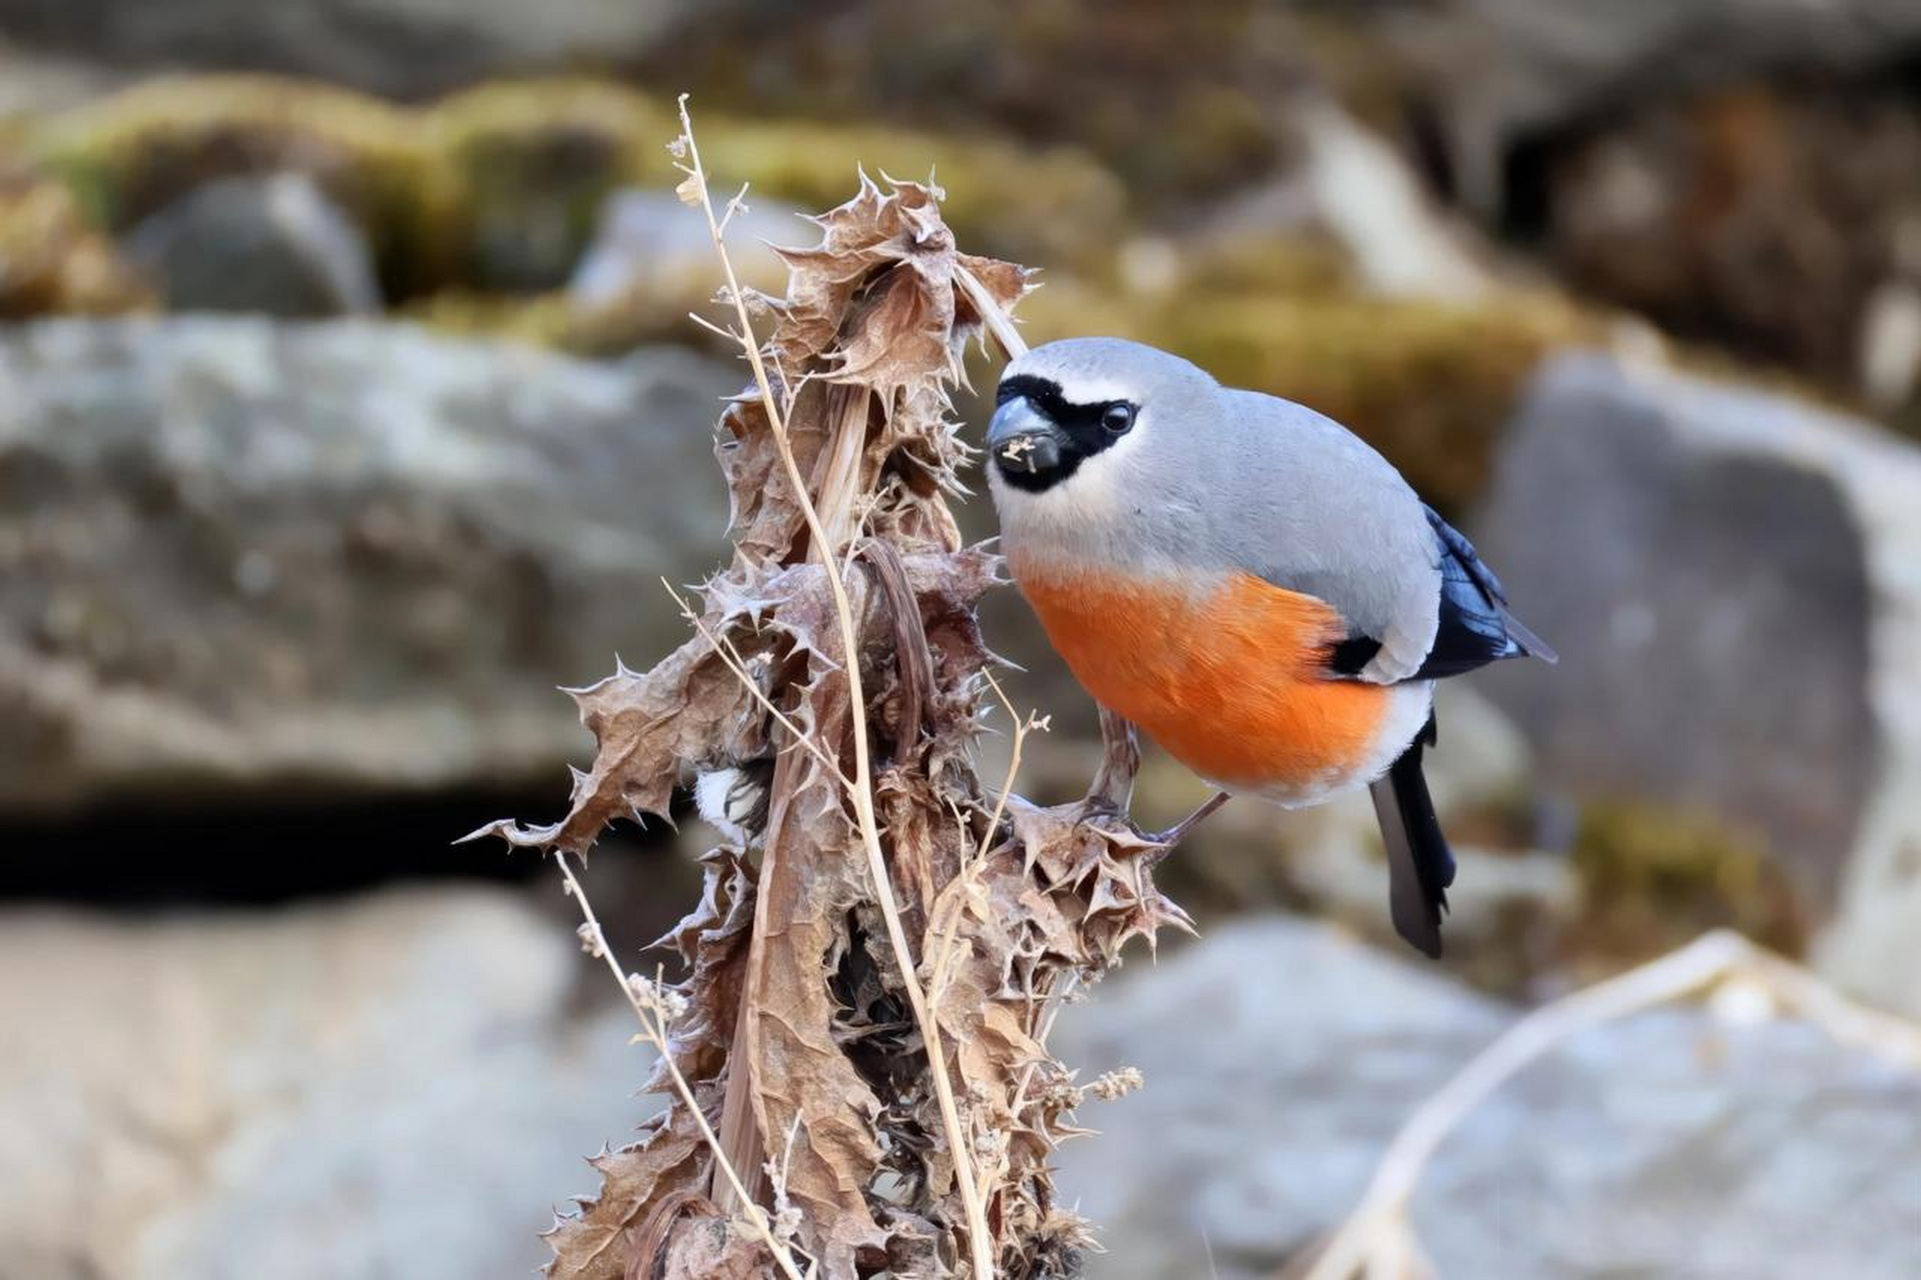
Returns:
(1185, 827)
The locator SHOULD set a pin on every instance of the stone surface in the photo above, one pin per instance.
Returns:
(1785, 226)
(1281, 1057)
(1350, 184)
(1731, 580)
(393, 1087)
(1500, 72)
(401, 47)
(1739, 171)
(237, 557)
(274, 244)
(650, 247)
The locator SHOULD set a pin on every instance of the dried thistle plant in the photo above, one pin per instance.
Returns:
(857, 1056)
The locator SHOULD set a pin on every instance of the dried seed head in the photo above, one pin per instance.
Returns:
(1117, 1084)
(664, 1002)
(1061, 1095)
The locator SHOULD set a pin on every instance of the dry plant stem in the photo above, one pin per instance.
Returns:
(1020, 730)
(980, 1240)
(656, 1034)
(1357, 1247)
(1113, 785)
(941, 953)
(839, 471)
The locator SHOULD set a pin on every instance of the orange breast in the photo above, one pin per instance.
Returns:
(1229, 679)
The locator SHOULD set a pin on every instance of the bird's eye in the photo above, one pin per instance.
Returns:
(1117, 418)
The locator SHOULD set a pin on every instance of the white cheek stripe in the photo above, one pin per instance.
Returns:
(1077, 387)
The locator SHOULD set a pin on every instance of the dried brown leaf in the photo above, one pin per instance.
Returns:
(688, 709)
(810, 882)
(594, 1244)
(712, 1249)
(713, 940)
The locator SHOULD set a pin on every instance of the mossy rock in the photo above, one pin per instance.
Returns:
(543, 320)
(52, 259)
(533, 163)
(568, 143)
(130, 154)
(552, 319)
(1653, 877)
(1306, 264)
(498, 189)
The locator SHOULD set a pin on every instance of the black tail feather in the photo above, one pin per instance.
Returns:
(1419, 863)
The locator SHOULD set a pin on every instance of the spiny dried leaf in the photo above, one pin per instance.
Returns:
(810, 880)
(882, 287)
(713, 1249)
(594, 1244)
(1006, 284)
(713, 940)
(646, 727)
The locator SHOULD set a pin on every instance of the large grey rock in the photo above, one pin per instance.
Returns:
(243, 557)
(1504, 72)
(1351, 184)
(1780, 225)
(1731, 578)
(1280, 1058)
(401, 47)
(395, 1087)
(274, 244)
(648, 245)
(35, 80)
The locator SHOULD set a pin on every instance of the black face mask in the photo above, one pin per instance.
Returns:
(1038, 438)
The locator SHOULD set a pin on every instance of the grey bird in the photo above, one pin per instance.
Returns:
(1247, 581)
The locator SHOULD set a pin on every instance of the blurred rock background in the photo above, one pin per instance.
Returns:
(348, 405)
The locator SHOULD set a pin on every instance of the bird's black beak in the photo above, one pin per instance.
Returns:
(1021, 438)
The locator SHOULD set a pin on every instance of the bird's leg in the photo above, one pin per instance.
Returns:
(1113, 786)
(1185, 827)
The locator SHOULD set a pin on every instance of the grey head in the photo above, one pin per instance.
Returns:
(1063, 405)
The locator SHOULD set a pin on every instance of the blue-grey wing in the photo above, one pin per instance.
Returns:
(1476, 627)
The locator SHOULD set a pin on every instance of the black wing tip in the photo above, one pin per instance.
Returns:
(1526, 641)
